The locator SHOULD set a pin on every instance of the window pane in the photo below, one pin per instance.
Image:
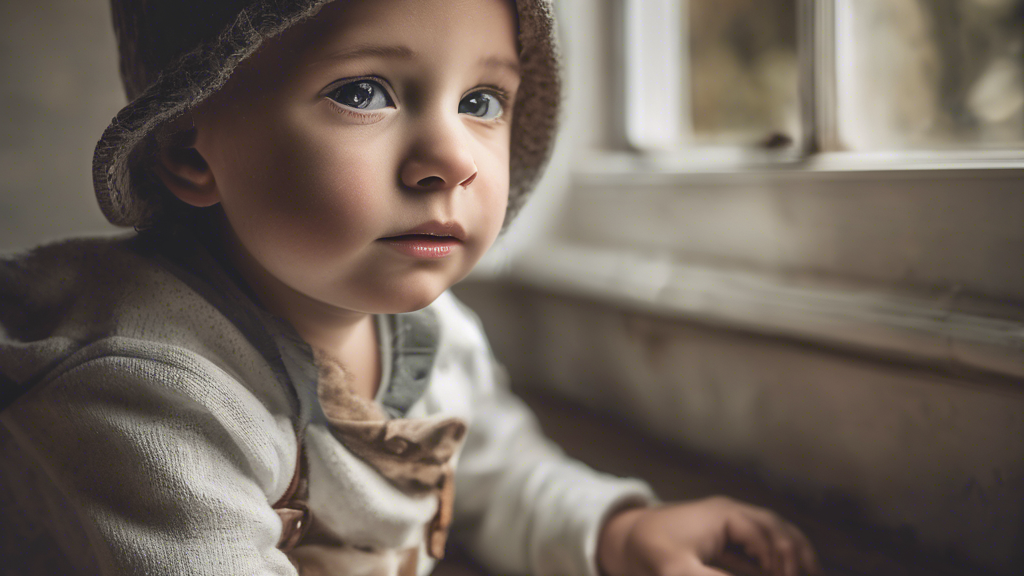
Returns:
(930, 74)
(743, 71)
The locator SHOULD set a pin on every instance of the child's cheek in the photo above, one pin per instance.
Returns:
(310, 202)
(491, 200)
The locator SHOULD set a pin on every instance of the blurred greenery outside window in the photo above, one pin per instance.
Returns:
(804, 76)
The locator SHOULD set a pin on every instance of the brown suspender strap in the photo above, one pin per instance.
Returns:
(292, 507)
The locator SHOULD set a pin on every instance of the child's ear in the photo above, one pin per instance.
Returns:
(181, 167)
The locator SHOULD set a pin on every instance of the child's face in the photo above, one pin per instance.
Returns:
(342, 146)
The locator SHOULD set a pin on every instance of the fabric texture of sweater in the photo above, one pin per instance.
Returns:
(154, 414)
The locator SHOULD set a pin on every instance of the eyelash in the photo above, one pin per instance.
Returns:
(500, 94)
(492, 89)
(368, 117)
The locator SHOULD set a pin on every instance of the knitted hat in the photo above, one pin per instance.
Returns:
(176, 53)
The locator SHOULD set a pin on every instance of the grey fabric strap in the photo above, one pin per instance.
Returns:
(414, 341)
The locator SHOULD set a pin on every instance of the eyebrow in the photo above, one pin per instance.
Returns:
(368, 51)
(399, 52)
(499, 62)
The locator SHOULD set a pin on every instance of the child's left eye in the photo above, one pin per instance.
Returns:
(362, 95)
(483, 105)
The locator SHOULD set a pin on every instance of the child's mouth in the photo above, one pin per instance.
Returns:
(423, 245)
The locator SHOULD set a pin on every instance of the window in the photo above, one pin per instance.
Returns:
(938, 74)
(784, 78)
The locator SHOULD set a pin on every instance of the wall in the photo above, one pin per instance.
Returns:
(59, 88)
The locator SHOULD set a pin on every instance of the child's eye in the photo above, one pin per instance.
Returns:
(483, 105)
(362, 95)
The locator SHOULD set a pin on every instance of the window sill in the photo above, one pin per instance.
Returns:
(937, 331)
(927, 230)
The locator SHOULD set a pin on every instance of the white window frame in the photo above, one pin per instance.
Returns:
(650, 25)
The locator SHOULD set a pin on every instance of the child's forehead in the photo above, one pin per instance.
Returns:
(368, 21)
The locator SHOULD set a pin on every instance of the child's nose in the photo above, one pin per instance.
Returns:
(440, 157)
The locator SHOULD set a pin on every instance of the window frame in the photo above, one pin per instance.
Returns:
(819, 145)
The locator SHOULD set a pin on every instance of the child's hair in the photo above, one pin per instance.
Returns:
(174, 54)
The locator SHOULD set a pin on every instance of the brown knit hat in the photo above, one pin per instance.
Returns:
(176, 53)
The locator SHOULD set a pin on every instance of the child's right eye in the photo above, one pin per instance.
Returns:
(362, 95)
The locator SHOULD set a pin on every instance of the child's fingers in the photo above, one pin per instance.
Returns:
(808, 560)
(745, 531)
(801, 553)
(784, 541)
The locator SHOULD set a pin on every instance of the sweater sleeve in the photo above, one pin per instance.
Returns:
(169, 464)
(521, 505)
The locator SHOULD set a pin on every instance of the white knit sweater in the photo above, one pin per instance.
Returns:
(160, 424)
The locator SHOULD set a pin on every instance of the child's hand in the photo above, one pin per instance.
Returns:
(680, 539)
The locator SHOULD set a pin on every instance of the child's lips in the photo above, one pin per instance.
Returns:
(433, 230)
(431, 240)
(425, 246)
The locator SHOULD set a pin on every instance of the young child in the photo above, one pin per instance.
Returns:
(270, 377)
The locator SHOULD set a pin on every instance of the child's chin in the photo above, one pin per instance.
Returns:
(409, 306)
(408, 300)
